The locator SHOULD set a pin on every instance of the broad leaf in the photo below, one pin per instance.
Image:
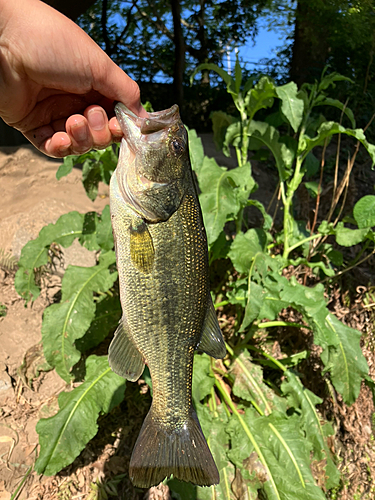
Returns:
(311, 423)
(63, 436)
(249, 385)
(272, 451)
(245, 247)
(69, 320)
(107, 315)
(327, 129)
(269, 136)
(196, 151)
(104, 235)
(364, 211)
(35, 253)
(327, 101)
(231, 88)
(223, 193)
(292, 105)
(260, 97)
(342, 354)
(214, 426)
(203, 381)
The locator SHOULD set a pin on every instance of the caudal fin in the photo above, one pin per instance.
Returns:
(183, 452)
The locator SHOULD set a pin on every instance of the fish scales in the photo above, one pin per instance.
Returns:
(164, 289)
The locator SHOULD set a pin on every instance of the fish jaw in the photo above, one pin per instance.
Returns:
(152, 170)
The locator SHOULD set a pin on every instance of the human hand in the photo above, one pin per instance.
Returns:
(56, 85)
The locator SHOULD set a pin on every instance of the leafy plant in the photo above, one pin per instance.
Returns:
(260, 420)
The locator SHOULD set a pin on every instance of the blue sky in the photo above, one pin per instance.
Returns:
(265, 44)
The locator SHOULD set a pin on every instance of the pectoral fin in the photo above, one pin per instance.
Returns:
(123, 356)
(212, 341)
(141, 246)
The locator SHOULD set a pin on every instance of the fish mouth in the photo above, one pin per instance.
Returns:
(155, 122)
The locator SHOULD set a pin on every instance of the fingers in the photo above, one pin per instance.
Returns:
(79, 134)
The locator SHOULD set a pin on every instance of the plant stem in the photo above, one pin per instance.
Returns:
(269, 324)
(18, 490)
(296, 245)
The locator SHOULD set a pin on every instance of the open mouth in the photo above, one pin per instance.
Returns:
(155, 121)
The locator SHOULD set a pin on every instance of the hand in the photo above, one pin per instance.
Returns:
(56, 85)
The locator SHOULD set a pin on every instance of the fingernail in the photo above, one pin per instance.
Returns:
(79, 131)
(96, 119)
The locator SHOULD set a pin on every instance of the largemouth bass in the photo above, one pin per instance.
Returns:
(162, 261)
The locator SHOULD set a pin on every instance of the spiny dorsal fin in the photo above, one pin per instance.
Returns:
(123, 357)
(212, 341)
(141, 247)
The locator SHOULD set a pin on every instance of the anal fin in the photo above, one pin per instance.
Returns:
(212, 341)
(123, 356)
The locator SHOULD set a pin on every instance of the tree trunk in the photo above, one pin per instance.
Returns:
(179, 62)
(71, 8)
(311, 40)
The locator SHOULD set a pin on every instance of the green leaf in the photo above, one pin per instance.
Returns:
(316, 431)
(267, 224)
(260, 97)
(196, 151)
(214, 426)
(107, 315)
(223, 193)
(220, 123)
(63, 436)
(269, 136)
(347, 237)
(104, 235)
(65, 168)
(327, 129)
(91, 176)
(88, 238)
(338, 104)
(311, 165)
(249, 385)
(181, 490)
(276, 454)
(255, 300)
(203, 381)
(342, 354)
(222, 73)
(292, 105)
(238, 75)
(245, 247)
(69, 320)
(35, 253)
(328, 80)
(345, 360)
(364, 211)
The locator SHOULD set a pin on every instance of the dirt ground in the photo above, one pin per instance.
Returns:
(31, 197)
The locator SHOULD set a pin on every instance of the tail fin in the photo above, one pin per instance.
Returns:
(183, 452)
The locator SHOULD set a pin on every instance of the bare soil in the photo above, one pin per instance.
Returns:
(31, 197)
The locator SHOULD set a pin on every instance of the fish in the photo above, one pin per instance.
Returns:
(167, 309)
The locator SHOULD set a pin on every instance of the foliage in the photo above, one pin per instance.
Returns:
(141, 37)
(259, 417)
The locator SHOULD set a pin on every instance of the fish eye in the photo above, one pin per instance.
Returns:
(176, 147)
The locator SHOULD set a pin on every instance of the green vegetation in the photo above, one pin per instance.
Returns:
(260, 419)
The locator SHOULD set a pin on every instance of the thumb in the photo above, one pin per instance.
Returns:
(113, 83)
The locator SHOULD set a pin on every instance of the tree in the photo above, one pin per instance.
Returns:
(168, 39)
